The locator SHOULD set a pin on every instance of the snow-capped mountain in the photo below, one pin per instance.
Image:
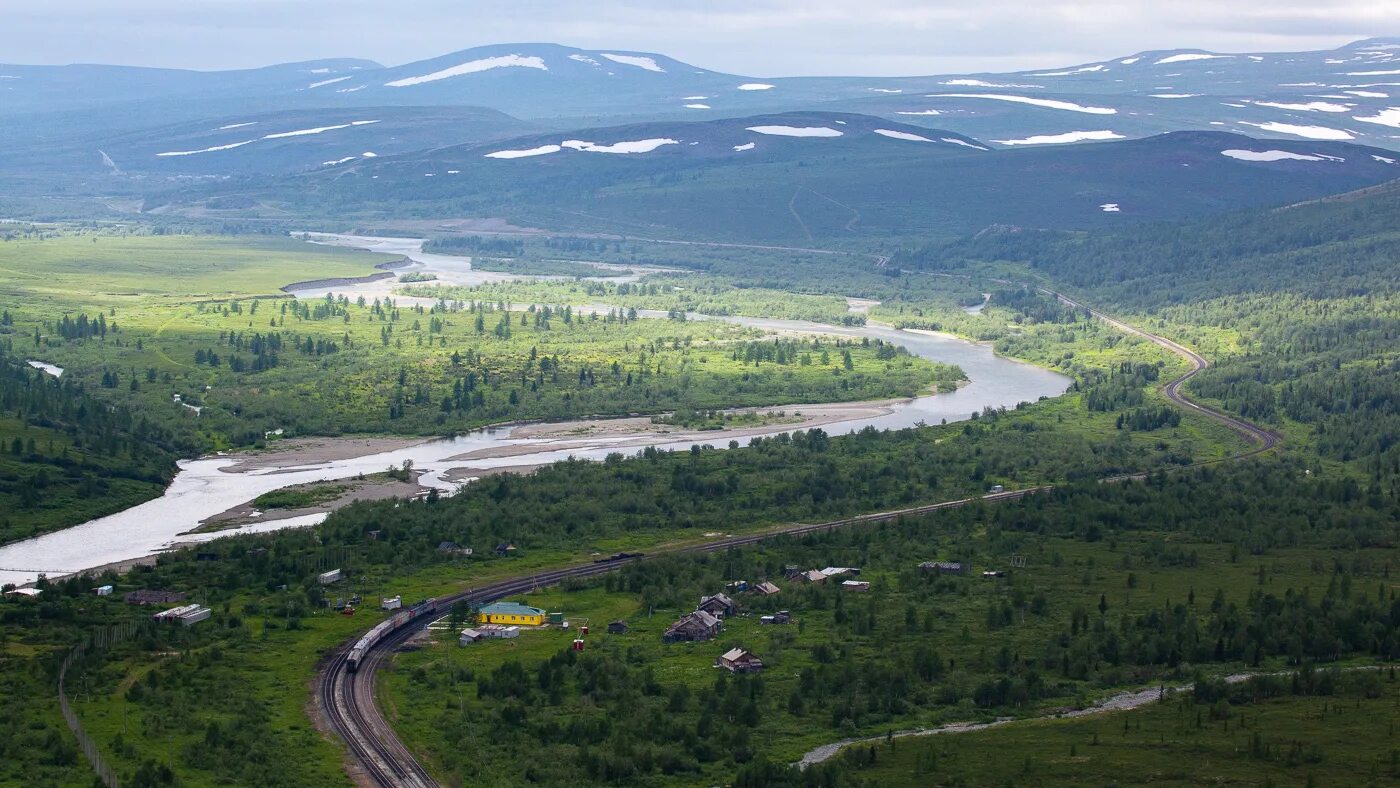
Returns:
(1350, 94)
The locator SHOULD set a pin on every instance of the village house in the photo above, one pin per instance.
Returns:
(738, 660)
(791, 570)
(833, 571)
(855, 585)
(510, 613)
(719, 605)
(780, 617)
(452, 548)
(765, 589)
(696, 626)
(618, 628)
(814, 576)
(944, 567)
(487, 632)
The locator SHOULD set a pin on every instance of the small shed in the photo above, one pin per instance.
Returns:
(618, 628)
(326, 578)
(103, 590)
(469, 636)
(944, 567)
(738, 660)
(791, 570)
(391, 603)
(765, 589)
(780, 617)
(814, 576)
(855, 585)
(498, 631)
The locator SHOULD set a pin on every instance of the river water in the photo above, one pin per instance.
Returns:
(202, 488)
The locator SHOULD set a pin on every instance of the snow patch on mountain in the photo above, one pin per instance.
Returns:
(1038, 102)
(238, 125)
(1386, 117)
(1186, 57)
(697, 106)
(472, 67)
(1175, 95)
(978, 83)
(901, 135)
(520, 154)
(1373, 73)
(964, 143)
(317, 130)
(585, 59)
(631, 146)
(230, 146)
(1268, 155)
(325, 82)
(756, 86)
(1060, 139)
(885, 90)
(921, 112)
(645, 63)
(1070, 72)
(1367, 94)
(795, 131)
(1310, 132)
(1311, 106)
(745, 146)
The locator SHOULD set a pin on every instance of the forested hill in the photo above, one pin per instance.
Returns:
(1332, 248)
(1297, 307)
(64, 457)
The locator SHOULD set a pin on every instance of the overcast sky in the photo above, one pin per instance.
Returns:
(752, 37)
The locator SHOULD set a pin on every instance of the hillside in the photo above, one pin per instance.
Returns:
(805, 176)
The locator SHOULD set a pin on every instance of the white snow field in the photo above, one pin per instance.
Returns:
(1038, 102)
(472, 67)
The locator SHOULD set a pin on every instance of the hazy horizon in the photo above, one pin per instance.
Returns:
(761, 38)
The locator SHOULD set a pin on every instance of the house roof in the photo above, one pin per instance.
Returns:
(701, 617)
(735, 654)
(510, 609)
(767, 588)
(721, 598)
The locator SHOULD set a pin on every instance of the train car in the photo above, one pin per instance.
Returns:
(388, 625)
(617, 557)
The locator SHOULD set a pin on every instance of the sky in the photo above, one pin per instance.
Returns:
(751, 37)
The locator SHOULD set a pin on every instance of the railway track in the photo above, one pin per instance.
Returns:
(347, 699)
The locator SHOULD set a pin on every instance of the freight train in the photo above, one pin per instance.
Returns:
(385, 627)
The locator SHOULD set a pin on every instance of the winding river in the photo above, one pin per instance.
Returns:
(208, 486)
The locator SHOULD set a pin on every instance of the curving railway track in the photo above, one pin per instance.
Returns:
(346, 700)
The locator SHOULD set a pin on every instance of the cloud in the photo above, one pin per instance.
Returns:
(751, 37)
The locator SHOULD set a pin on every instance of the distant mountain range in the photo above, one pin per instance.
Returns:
(804, 176)
(70, 114)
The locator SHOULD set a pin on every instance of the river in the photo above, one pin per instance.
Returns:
(204, 487)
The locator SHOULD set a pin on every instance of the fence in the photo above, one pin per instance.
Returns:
(102, 639)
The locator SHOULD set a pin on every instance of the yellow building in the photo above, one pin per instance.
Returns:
(510, 613)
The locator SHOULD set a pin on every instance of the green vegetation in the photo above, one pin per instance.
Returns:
(1123, 586)
(299, 498)
(1303, 728)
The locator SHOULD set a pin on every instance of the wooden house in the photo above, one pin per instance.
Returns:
(696, 626)
(738, 660)
(719, 605)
